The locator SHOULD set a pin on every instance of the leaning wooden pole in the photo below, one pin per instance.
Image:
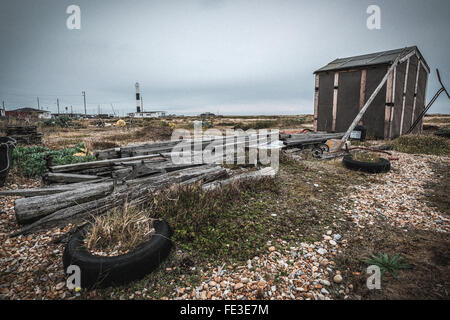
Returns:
(372, 97)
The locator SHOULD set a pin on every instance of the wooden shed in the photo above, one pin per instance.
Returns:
(343, 86)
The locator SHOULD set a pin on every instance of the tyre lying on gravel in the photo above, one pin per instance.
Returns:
(101, 271)
(382, 165)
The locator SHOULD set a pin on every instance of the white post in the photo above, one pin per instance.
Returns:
(404, 96)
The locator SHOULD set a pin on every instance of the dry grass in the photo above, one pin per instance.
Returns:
(100, 145)
(119, 231)
(366, 156)
(422, 144)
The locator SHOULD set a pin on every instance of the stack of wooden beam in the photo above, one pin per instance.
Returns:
(24, 134)
(308, 139)
(74, 192)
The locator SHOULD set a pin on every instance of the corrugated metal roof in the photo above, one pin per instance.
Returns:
(384, 57)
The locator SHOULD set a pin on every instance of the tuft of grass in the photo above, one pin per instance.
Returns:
(366, 156)
(420, 144)
(386, 263)
(102, 144)
(119, 231)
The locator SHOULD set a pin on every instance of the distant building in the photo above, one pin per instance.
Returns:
(76, 115)
(207, 115)
(148, 114)
(23, 113)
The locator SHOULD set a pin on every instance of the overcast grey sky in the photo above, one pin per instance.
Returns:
(226, 56)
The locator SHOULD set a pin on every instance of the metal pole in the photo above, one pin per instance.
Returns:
(57, 103)
(39, 108)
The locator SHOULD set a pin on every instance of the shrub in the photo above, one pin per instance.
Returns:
(256, 125)
(30, 161)
(386, 263)
(443, 132)
(61, 121)
(421, 144)
(215, 221)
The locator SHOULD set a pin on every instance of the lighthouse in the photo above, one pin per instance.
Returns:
(138, 98)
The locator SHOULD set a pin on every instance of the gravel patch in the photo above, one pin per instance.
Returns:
(31, 266)
(284, 272)
(399, 198)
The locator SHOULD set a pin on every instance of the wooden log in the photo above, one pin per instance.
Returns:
(33, 192)
(31, 209)
(115, 153)
(163, 147)
(311, 139)
(253, 175)
(97, 171)
(135, 192)
(96, 164)
(67, 177)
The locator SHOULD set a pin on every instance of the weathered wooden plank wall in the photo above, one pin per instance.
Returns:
(325, 104)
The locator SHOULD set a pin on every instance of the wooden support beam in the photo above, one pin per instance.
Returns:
(33, 192)
(127, 192)
(34, 208)
(97, 164)
(409, 55)
(388, 107)
(335, 98)
(68, 177)
(424, 100)
(415, 91)
(391, 119)
(362, 91)
(316, 101)
(404, 96)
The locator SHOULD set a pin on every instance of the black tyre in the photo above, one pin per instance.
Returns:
(102, 271)
(383, 165)
(317, 152)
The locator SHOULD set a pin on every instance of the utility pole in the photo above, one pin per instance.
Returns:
(39, 108)
(84, 98)
(71, 111)
(57, 103)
